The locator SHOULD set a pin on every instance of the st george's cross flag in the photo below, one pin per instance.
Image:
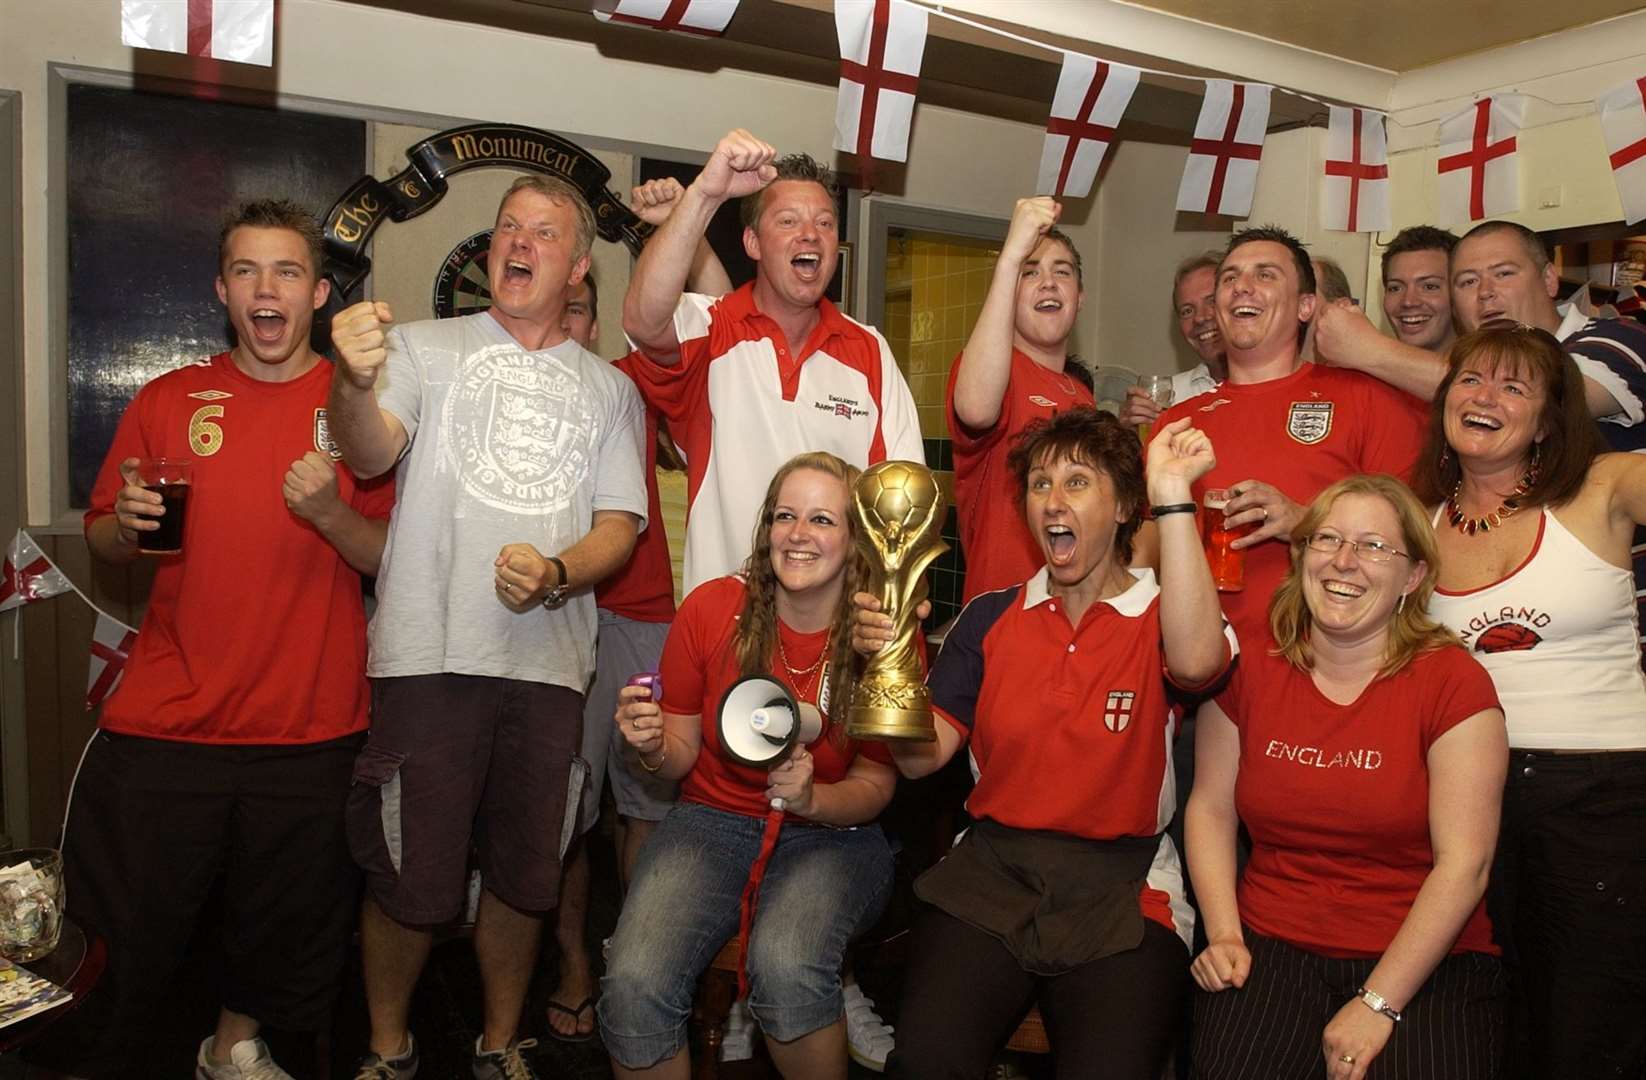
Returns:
(1623, 119)
(111, 645)
(237, 30)
(881, 45)
(1479, 164)
(27, 575)
(1091, 98)
(706, 17)
(1220, 176)
(1354, 184)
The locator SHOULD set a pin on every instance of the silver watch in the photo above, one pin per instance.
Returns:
(555, 598)
(1378, 1004)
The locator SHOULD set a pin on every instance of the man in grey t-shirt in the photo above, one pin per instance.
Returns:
(519, 464)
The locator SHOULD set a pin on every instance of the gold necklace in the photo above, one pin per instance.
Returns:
(1468, 526)
(796, 676)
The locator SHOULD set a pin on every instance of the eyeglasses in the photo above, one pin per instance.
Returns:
(1373, 551)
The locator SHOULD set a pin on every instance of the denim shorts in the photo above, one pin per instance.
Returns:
(822, 886)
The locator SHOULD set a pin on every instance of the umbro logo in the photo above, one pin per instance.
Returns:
(1215, 403)
(211, 395)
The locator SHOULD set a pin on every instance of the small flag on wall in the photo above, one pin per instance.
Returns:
(1091, 98)
(1623, 119)
(111, 644)
(707, 17)
(1354, 190)
(881, 46)
(237, 30)
(1479, 163)
(1221, 174)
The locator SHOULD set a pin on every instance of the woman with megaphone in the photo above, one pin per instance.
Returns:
(773, 837)
(1066, 892)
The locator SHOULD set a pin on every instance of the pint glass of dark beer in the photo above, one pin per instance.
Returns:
(171, 477)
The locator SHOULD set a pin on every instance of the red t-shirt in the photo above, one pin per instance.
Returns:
(993, 535)
(256, 633)
(1083, 746)
(1300, 433)
(1336, 797)
(643, 589)
(700, 663)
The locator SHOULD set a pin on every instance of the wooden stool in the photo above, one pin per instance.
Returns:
(1030, 1036)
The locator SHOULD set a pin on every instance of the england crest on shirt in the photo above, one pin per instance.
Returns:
(1117, 711)
(1309, 421)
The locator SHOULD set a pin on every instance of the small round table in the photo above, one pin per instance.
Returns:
(76, 965)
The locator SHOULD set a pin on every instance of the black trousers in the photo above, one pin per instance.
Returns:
(1568, 900)
(964, 994)
(153, 826)
(1270, 1029)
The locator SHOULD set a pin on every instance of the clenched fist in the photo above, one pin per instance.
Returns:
(655, 200)
(310, 488)
(360, 333)
(740, 165)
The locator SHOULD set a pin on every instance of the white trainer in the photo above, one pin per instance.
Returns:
(248, 1060)
(868, 1038)
(738, 1042)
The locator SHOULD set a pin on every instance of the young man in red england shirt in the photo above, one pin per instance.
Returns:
(225, 752)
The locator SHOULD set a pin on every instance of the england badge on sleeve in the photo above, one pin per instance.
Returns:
(1309, 421)
(1117, 711)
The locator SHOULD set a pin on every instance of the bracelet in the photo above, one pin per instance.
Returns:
(1173, 508)
(660, 760)
(1377, 1003)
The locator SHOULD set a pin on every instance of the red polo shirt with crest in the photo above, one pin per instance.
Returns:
(994, 537)
(1300, 434)
(743, 400)
(1071, 727)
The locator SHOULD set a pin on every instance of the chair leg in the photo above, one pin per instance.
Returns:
(715, 997)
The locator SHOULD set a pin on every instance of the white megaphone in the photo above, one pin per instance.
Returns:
(760, 722)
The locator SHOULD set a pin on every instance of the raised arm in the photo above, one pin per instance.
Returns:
(1346, 338)
(1210, 827)
(371, 438)
(986, 361)
(1191, 623)
(653, 202)
(1466, 769)
(740, 165)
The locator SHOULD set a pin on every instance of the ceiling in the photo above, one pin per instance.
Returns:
(1397, 35)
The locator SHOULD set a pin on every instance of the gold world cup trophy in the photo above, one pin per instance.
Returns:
(899, 509)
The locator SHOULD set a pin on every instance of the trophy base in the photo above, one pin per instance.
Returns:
(891, 725)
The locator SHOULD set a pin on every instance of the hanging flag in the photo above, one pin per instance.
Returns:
(1354, 192)
(1623, 119)
(881, 45)
(1091, 98)
(27, 575)
(705, 17)
(111, 644)
(1221, 174)
(1479, 167)
(238, 30)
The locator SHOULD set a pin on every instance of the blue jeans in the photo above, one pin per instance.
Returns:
(822, 886)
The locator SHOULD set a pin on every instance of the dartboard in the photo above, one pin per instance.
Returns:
(461, 288)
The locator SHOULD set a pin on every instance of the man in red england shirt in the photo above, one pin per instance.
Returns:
(1014, 370)
(226, 750)
(1285, 428)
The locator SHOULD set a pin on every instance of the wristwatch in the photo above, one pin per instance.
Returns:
(1378, 1003)
(555, 598)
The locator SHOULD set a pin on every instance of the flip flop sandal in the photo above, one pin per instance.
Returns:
(576, 1013)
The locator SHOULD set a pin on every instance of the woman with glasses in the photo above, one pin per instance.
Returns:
(1364, 751)
(1535, 525)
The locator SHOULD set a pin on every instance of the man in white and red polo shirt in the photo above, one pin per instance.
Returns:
(771, 370)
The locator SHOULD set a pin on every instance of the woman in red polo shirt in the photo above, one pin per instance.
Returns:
(1066, 892)
(829, 873)
(1364, 750)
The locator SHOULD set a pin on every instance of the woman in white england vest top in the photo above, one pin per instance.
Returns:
(1535, 524)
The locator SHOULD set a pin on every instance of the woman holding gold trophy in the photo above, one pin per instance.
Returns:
(1066, 893)
(797, 826)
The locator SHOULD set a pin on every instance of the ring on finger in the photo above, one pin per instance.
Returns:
(1347, 1059)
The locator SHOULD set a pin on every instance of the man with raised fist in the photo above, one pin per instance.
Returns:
(771, 370)
(524, 489)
